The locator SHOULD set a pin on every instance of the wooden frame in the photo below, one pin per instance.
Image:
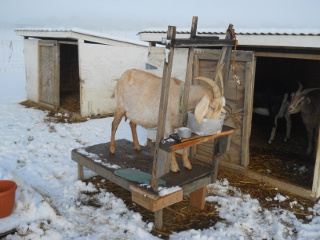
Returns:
(195, 185)
(49, 74)
(314, 192)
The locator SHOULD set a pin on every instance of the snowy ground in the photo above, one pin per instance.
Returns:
(36, 154)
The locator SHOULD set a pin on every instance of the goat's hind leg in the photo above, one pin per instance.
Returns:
(135, 136)
(118, 114)
(274, 129)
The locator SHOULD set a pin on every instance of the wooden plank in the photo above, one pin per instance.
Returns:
(187, 84)
(198, 42)
(292, 188)
(166, 77)
(173, 146)
(142, 191)
(164, 166)
(316, 178)
(154, 202)
(49, 75)
(287, 55)
(105, 172)
(247, 111)
(100, 160)
(196, 184)
(197, 198)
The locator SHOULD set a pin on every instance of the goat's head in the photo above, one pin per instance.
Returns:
(299, 99)
(211, 106)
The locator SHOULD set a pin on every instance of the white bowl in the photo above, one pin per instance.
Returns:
(184, 132)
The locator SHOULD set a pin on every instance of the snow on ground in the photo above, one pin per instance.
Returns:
(37, 155)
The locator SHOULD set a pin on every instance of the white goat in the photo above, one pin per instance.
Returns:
(309, 106)
(137, 96)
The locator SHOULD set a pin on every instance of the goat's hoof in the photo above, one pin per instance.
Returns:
(138, 149)
(175, 169)
(112, 150)
(189, 167)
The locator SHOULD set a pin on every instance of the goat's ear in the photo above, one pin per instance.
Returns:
(308, 100)
(202, 109)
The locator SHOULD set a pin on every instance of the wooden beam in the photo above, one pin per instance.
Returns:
(287, 55)
(316, 178)
(292, 188)
(173, 146)
(198, 42)
(154, 202)
(166, 77)
(158, 219)
(189, 74)
(197, 198)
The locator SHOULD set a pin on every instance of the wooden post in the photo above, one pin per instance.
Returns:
(163, 106)
(158, 219)
(80, 172)
(215, 160)
(198, 198)
(316, 179)
(189, 74)
(225, 57)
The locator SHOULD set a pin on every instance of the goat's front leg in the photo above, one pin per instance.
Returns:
(287, 116)
(135, 136)
(310, 140)
(174, 165)
(118, 114)
(185, 159)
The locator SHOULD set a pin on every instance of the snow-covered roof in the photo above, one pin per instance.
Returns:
(307, 38)
(75, 34)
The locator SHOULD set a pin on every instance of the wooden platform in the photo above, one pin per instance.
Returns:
(100, 160)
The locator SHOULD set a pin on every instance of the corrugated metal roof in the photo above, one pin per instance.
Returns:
(41, 32)
(279, 32)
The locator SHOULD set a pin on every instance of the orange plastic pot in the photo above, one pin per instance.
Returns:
(7, 197)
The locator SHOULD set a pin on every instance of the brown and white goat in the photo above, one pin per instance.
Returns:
(137, 96)
(309, 106)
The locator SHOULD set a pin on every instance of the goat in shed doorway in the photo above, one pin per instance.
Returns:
(275, 105)
(308, 103)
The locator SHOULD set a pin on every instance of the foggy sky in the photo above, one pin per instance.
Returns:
(140, 14)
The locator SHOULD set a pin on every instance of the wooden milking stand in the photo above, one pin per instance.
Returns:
(136, 172)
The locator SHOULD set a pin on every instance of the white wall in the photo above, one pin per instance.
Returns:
(156, 57)
(32, 68)
(100, 66)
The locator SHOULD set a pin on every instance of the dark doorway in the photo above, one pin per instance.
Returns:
(283, 160)
(69, 78)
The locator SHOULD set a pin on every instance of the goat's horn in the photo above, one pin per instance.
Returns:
(306, 91)
(300, 87)
(212, 84)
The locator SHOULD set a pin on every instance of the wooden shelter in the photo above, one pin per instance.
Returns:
(260, 59)
(75, 69)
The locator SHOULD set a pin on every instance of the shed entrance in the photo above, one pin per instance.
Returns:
(283, 160)
(69, 78)
(59, 82)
